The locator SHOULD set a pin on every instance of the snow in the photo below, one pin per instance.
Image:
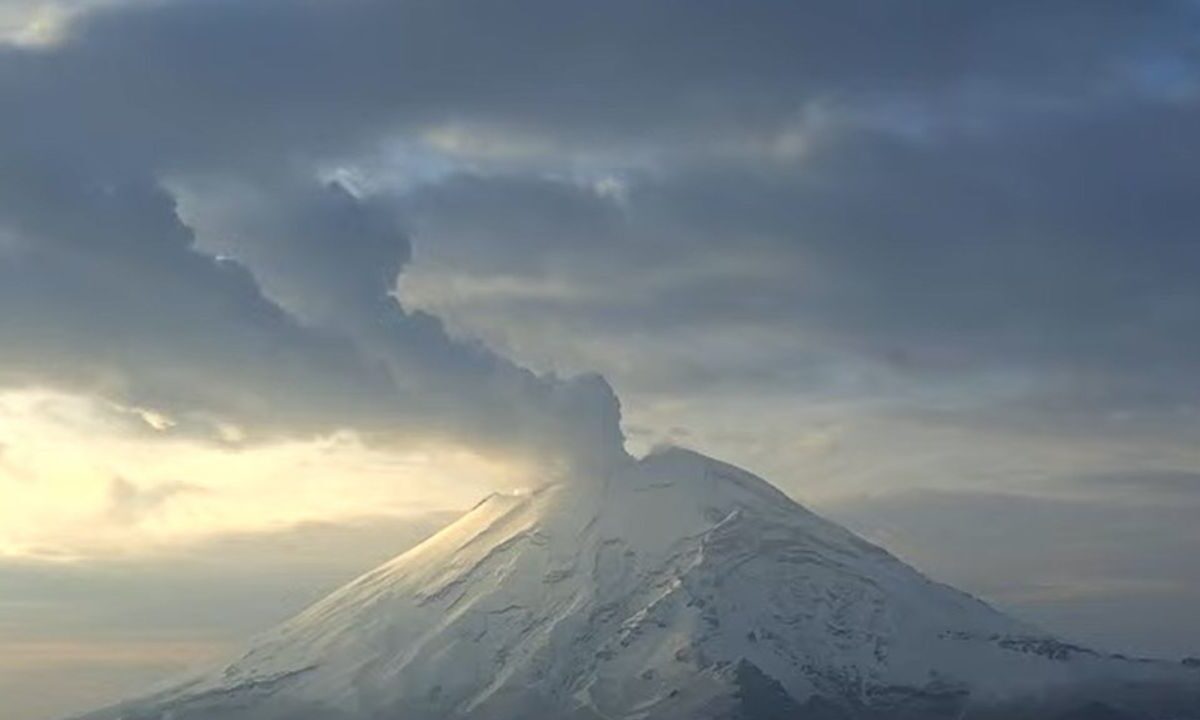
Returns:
(641, 594)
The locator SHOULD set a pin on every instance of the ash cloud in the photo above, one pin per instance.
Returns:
(294, 332)
(107, 293)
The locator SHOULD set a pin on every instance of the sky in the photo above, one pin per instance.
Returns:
(284, 284)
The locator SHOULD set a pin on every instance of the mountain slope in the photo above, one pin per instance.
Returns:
(678, 587)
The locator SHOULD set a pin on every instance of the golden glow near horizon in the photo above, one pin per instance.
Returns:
(75, 483)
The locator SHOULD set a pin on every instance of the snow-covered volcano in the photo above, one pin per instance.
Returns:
(677, 587)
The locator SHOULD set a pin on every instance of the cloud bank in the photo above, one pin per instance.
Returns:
(949, 189)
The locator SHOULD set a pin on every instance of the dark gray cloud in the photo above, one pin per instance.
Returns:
(1060, 255)
(182, 80)
(885, 240)
(104, 292)
(332, 259)
(113, 297)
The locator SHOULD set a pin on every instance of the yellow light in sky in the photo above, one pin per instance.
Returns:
(76, 480)
(33, 24)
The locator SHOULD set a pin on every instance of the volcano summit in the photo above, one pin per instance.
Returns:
(676, 588)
